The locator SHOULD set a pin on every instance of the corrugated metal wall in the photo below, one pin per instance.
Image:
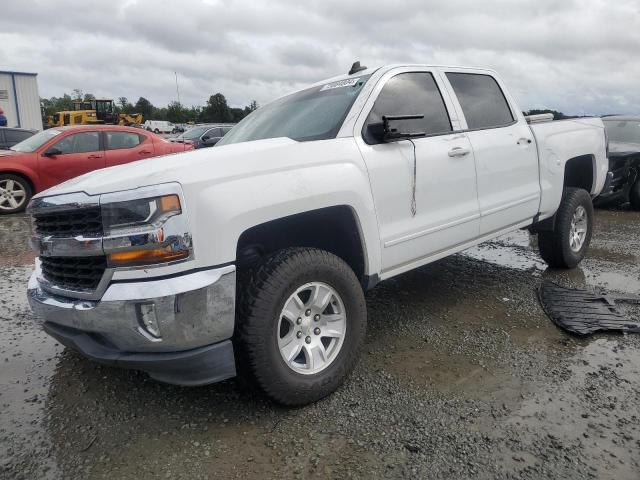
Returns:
(28, 100)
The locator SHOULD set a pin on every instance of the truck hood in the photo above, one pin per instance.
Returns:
(205, 165)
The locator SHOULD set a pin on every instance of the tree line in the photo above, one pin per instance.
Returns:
(556, 115)
(215, 110)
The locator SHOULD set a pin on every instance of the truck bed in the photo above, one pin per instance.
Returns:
(562, 140)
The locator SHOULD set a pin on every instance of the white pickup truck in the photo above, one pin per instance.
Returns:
(254, 256)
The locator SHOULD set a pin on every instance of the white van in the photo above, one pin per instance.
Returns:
(159, 126)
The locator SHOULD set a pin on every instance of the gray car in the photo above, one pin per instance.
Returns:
(12, 136)
(202, 136)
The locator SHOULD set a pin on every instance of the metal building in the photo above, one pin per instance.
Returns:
(20, 100)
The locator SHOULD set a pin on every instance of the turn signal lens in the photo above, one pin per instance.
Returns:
(170, 203)
(146, 257)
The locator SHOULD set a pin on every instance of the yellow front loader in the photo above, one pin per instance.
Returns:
(94, 112)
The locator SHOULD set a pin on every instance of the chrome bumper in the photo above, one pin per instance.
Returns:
(190, 311)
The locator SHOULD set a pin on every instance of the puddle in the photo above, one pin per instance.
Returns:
(605, 266)
(584, 410)
(478, 348)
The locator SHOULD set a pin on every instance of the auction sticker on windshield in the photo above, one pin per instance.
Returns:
(350, 82)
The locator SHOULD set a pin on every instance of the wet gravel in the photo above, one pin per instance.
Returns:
(462, 376)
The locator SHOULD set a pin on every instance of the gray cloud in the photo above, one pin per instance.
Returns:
(574, 56)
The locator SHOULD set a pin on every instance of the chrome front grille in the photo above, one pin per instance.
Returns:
(73, 246)
(74, 273)
(86, 222)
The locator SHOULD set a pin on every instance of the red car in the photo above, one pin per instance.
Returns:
(58, 154)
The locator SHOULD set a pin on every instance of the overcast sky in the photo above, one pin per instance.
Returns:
(574, 56)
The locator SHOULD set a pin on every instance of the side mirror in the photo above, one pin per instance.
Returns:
(52, 152)
(205, 138)
(385, 132)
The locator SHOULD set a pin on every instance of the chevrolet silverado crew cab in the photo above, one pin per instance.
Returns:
(253, 257)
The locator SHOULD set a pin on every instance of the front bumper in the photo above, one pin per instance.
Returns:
(194, 315)
(198, 366)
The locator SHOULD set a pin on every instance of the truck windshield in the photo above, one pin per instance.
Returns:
(31, 144)
(623, 131)
(313, 114)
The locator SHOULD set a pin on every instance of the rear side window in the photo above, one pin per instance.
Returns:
(79, 143)
(122, 140)
(414, 93)
(481, 99)
(16, 136)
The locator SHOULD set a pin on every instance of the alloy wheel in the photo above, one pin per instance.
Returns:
(12, 194)
(311, 328)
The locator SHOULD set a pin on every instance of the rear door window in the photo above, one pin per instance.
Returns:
(123, 140)
(482, 100)
(413, 93)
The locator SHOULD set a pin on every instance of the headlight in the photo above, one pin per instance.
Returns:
(135, 215)
(145, 231)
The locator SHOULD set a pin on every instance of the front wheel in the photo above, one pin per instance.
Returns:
(156, 131)
(300, 326)
(15, 193)
(634, 196)
(567, 244)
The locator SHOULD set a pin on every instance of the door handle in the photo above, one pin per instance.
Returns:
(144, 152)
(459, 152)
(94, 157)
(524, 140)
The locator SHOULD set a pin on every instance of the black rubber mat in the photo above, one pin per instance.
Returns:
(583, 312)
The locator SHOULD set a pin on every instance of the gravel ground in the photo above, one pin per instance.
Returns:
(462, 376)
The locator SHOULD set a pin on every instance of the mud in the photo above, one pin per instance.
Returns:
(462, 376)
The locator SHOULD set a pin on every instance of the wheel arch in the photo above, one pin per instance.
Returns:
(581, 172)
(336, 229)
(21, 174)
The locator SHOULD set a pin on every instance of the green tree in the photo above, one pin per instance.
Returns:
(57, 104)
(144, 107)
(175, 112)
(124, 105)
(556, 115)
(217, 109)
(238, 114)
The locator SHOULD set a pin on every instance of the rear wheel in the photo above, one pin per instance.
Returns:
(156, 131)
(15, 193)
(301, 323)
(567, 244)
(634, 196)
